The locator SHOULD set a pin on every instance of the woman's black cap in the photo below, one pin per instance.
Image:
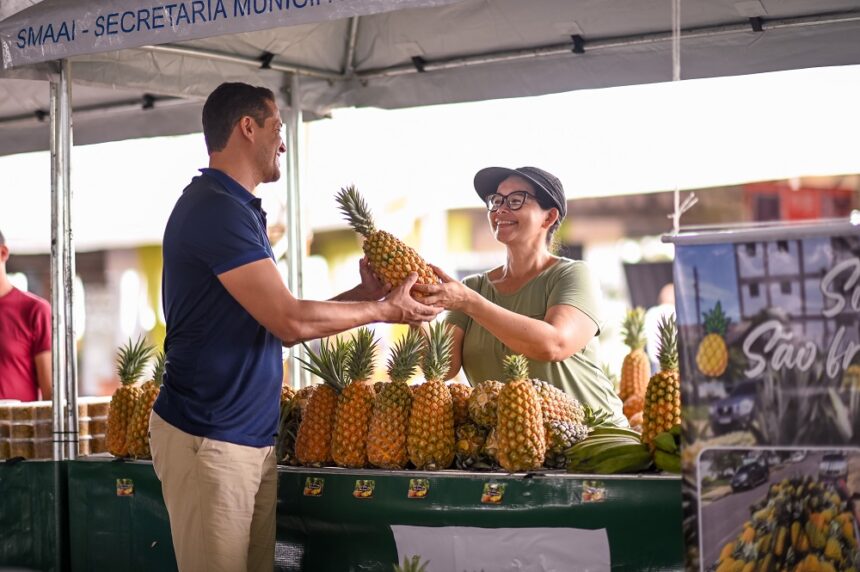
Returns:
(546, 184)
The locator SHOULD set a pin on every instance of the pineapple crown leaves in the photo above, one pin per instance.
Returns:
(716, 321)
(355, 210)
(360, 363)
(516, 367)
(131, 360)
(633, 328)
(667, 348)
(158, 369)
(413, 564)
(329, 364)
(436, 360)
(406, 355)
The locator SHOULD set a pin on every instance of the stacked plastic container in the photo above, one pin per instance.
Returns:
(26, 429)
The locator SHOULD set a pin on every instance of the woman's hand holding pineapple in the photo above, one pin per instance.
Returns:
(450, 293)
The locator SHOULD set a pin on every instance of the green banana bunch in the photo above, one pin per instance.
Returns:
(667, 462)
(609, 451)
(667, 450)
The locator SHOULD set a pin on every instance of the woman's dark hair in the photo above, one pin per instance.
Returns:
(229, 103)
(546, 204)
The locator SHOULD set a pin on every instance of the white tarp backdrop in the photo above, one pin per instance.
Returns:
(412, 54)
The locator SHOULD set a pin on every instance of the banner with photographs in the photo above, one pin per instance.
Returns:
(769, 336)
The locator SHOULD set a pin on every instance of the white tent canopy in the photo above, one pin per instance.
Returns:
(382, 53)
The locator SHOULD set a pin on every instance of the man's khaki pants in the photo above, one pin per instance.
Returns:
(221, 500)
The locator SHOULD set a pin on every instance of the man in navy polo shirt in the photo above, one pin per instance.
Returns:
(228, 313)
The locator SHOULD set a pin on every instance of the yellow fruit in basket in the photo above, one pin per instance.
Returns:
(389, 258)
(712, 358)
(131, 359)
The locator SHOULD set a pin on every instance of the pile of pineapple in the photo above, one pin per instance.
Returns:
(802, 525)
(349, 421)
(131, 404)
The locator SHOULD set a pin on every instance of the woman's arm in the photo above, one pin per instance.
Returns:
(563, 331)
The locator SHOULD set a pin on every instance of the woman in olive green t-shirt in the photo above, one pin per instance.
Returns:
(544, 307)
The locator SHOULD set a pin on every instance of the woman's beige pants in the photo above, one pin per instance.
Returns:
(221, 500)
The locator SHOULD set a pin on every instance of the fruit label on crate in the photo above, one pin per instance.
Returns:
(363, 489)
(124, 488)
(314, 486)
(493, 493)
(418, 488)
(593, 491)
(769, 333)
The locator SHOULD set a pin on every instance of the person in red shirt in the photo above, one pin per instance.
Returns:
(25, 340)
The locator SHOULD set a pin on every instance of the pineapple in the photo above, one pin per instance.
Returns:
(287, 393)
(483, 403)
(430, 439)
(131, 359)
(389, 258)
(851, 377)
(522, 437)
(634, 404)
(313, 442)
(460, 393)
(289, 421)
(636, 422)
(413, 564)
(389, 422)
(490, 450)
(138, 430)
(663, 399)
(469, 445)
(712, 356)
(556, 404)
(355, 403)
(636, 368)
(561, 436)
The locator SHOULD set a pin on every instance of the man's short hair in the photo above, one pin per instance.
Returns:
(229, 103)
(2, 238)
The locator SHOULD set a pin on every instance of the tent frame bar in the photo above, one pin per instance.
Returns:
(554, 50)
(213, 55)
(146, 102)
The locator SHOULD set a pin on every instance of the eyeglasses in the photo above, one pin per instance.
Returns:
(515, 201)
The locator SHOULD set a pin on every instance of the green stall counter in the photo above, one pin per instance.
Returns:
(340, 520)
(32, 516)
(117, 518)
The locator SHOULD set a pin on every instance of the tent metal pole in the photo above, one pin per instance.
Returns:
(58, 304)
(349, 59)
(69, 262)
(295, 228)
